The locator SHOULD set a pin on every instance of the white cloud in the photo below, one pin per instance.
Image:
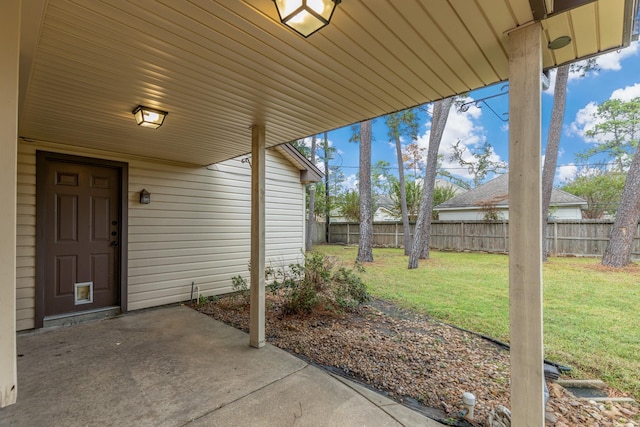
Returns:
(350, 182)
(627, 93)
(319, 142)
(461, 126)
(585, 120)
(612, 60)
(566, 173)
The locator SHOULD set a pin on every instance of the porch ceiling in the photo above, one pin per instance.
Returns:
(220, 66)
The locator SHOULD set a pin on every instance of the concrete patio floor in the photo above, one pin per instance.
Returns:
(174, 366)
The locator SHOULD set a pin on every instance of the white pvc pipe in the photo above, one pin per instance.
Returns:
(469, 401)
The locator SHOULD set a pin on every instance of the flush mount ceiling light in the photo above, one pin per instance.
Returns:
(559, 42)
(305, 17)
(149, 117)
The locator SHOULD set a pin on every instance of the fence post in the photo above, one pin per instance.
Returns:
(506, 239)
(461, 235)
(348, 235)
(555, 238)
(396, 235)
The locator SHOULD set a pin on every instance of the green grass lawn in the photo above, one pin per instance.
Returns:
(591, 314)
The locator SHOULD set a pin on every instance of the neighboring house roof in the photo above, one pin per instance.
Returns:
(496, 192)
(383, 200)
(440, 183)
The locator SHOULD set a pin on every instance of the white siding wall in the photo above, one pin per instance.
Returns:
(26, 238)
(568, 212)
(197, 227)
(564, 212)
(468, 215)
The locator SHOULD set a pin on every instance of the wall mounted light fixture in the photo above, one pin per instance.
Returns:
(305, 17)
(149, 117)
(145, 197)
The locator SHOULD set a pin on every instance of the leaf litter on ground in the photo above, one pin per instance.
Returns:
(412, 358)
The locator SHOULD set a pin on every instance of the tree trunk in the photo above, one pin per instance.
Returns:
(403, 199)
(422, 232)
(312, 200)
(618, 251)
(327, 205)
(551, 151)
(365, 253)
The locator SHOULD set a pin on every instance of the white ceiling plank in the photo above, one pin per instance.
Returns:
(584, 20)
(487, 39)
(499, 18)
(419, 18)
(610, 14)
(463, 41)
(221, 66)
(520, 9)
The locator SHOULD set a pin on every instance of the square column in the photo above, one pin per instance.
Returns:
(9, 60)
(258, 192)
(525, 227)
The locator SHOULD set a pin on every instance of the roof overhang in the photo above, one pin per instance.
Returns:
(309, 172)
(219, 67)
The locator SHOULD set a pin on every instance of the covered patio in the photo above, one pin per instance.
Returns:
(173, 366)
(235, 81)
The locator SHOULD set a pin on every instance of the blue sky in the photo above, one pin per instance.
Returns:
(618, 77)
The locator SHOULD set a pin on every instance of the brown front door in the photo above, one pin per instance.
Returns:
(81, 233)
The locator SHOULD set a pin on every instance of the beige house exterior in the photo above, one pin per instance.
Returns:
(235, 80)
(195, 230)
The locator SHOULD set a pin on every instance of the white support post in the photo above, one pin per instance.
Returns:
(258, 218)
(9, 60)
(525, 227)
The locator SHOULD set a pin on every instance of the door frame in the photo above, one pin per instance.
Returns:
(123, 171)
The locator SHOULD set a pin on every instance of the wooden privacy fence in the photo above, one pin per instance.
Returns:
(564, 237)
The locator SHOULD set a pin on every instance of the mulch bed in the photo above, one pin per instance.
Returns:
(414, 360)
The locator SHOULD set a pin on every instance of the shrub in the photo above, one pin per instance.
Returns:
(319, 281)
(349, 290)
(204, 300)
(240, 286)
